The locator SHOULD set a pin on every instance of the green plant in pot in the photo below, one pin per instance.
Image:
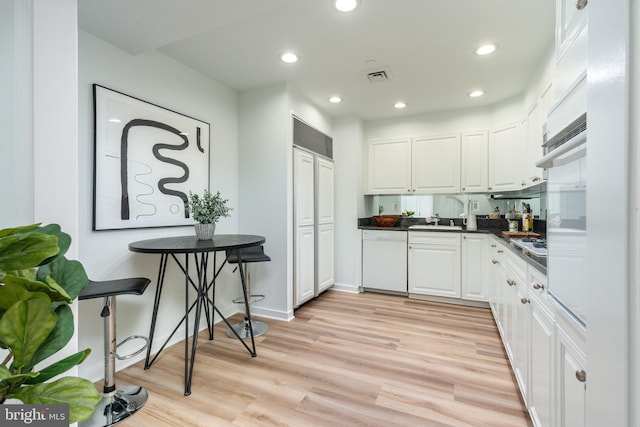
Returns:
(206, 210)
(37, 285)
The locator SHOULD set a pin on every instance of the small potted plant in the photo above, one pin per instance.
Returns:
(206, 210)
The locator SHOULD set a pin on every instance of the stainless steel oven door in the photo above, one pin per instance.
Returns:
(566, 226)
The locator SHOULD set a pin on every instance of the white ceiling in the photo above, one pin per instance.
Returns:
(426, 44)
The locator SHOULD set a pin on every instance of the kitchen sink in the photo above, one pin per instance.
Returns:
(435, 227)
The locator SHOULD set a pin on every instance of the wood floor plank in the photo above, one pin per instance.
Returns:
(345, 360)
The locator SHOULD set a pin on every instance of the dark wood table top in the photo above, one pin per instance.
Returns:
(191, 244)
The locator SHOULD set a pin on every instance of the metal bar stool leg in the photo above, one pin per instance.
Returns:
(243, 329)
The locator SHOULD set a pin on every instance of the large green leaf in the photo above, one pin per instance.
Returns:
(7, 377)
(70, 275)
(26, 250)
(64, 240)
(9, 231)
(12, 292)
(50, 288)
(80, 394)
(24, 327)
(58, 338)
(59, 367)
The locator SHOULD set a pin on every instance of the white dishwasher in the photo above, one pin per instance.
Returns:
(384, 260)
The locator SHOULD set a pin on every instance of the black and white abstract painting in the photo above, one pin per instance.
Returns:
(146, 160)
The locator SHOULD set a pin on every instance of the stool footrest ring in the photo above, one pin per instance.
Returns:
(252, 299)
(135, 353)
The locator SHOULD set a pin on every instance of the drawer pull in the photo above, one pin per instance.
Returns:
(538, 286)
(581, 375)
(511, 282)
(493, 261)
(500, 251)
(525, 300)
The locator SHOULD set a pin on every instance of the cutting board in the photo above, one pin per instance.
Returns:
(520, 234)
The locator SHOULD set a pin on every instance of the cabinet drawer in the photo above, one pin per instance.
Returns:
(537, 284)
(434, 238)
(516, 265)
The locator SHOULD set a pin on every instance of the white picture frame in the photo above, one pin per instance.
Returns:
(146, 160)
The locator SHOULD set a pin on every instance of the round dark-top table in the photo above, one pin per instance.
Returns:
(200, 281)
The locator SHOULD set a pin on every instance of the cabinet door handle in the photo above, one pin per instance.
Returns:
(500, 251)
(538, 286)
(511, 282)
(493, 261)
(581, 4)
(581, 375)
(525, 300)
(493, 246)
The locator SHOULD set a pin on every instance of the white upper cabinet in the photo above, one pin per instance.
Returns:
(436, 164)
(571, 43)
(325, 191)
(304, 213)
(533, 148)
(424, 165)
(504, 158)
(389, 166)
(474, 162)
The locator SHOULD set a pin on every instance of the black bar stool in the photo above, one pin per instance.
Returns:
(248, 255)
(116, 403)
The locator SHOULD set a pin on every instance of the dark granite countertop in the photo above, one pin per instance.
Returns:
(494, 227)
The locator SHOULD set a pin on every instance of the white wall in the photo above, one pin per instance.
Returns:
(16, 121)
(158, 79)
(505, 112)
(264, 141)
(349, 153)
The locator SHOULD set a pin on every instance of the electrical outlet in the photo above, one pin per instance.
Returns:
(476, 206)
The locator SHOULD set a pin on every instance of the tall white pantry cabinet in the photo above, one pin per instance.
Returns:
(313, 225)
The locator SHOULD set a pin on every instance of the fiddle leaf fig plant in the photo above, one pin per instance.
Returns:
(208, 208)
(37, 284)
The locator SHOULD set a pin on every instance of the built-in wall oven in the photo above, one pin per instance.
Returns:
(565, 165)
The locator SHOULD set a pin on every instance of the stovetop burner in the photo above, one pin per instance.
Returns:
(537, 247)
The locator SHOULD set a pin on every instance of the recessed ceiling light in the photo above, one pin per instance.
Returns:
(399, 105)
(475, 93)
(345, 5)
(289, 57)
(335, 99)
(486, 49)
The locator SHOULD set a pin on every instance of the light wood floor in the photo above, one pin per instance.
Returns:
(346, 360)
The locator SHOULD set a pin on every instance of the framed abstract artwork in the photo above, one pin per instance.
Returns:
(146, 160)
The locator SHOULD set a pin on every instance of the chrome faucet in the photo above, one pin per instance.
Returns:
(435, 219)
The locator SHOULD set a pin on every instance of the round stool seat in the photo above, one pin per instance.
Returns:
(109, 288)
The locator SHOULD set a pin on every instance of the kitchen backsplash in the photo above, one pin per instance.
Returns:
(454, 205)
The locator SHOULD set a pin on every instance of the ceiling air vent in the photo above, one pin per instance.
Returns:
(377, 75)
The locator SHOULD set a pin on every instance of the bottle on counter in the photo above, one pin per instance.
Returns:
(527, 218)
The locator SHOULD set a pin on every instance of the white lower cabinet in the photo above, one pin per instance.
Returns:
(545, 348)
(325, 256)
(570, 379)
(475, 268)
(541, 374)
(434, 264)
(304, 270)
